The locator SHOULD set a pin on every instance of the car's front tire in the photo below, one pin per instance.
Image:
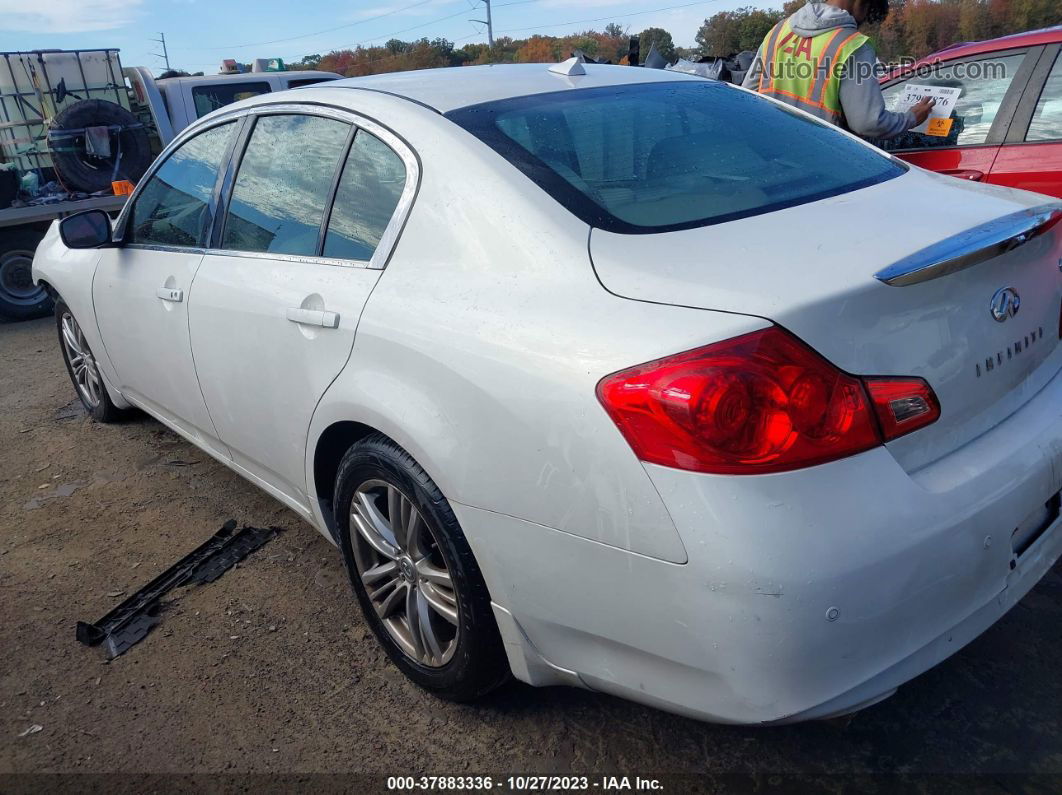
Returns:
(82, 367)
(414, 574)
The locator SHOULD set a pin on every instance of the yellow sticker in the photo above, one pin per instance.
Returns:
(939, 127)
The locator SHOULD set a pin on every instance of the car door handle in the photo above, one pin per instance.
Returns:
(170, 294)
(314, 317)
(965, 173)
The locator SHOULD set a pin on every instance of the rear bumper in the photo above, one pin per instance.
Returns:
(806, 594)
(1031, 568)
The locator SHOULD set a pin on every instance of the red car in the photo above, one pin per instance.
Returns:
(1006, 127)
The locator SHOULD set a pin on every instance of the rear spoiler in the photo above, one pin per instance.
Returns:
(973, 246)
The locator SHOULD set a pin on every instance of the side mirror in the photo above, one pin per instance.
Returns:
(88, 229)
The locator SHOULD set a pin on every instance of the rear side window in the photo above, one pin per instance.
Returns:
(369, 190)
(983, 85)
(173, 207)
(655, 157)
(209, 98)
(283, 183)
(1046, 122)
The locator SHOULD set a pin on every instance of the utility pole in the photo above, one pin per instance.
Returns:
(164, 55)
(489, 23)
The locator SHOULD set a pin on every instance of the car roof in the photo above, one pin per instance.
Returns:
(460, 86)
(1030, 38)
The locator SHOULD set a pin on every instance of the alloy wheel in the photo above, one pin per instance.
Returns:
(404, 573)
(82, 364)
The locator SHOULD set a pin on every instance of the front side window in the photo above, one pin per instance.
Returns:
(653, 157)
(173, 207)
(210, 98)
(283, 184)
(371, 185)
(984, 83)
(1047, 118)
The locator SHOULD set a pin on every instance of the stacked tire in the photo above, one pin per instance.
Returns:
(80, 171)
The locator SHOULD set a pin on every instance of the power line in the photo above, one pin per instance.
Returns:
(609, 17)
(392, 12)
(443, 19)
(415, 27)
(489, 23)
(369, 19)
(393, 34)
(164, 55)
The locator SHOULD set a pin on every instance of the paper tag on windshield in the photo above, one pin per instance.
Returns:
(945, 96)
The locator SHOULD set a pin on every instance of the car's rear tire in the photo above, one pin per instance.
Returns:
(20, 298)
(407, 556)
(82, 368)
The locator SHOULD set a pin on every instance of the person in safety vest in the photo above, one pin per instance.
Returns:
(817, 61)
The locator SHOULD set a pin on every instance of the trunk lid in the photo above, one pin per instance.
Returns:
(811, 269)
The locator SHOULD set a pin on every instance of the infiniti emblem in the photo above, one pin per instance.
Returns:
(1005, 303)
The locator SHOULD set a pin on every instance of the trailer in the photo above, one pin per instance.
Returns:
(67, 133)
(77, 131)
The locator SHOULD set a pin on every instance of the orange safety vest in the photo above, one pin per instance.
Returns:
(805, 72)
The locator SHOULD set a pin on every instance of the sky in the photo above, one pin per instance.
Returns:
(200, 33)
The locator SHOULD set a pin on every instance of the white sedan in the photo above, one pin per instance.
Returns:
(625, 380)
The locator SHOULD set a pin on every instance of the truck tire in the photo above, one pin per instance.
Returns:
(80, 171)
(20, 298)
(8, 188)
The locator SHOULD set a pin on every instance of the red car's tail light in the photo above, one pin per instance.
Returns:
(761, 402)
(902, 404)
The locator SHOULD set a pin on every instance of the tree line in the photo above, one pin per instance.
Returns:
(610, 45)
(913, 28)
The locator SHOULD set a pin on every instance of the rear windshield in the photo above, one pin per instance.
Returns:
(655, 157)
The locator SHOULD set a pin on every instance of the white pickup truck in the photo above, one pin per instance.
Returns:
(72, 124)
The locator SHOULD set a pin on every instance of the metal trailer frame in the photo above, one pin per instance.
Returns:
(39, 213)
(21, 99)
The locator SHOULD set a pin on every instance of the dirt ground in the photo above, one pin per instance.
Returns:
(272, 670)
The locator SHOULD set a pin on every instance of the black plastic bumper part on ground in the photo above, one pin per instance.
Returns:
(131, 621)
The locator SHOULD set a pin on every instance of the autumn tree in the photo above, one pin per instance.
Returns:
(306, 62)
(537, 49)
(733, 31)
(913, 28)
(659, 38)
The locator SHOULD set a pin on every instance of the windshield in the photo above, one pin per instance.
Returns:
(654, 157)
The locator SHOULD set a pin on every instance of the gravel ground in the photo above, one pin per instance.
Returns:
(272, 670)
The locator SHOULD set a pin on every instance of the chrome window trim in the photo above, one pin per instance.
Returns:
(166, 249)
(219, 252)
(389, 239)
(300, 258)
(971, 247)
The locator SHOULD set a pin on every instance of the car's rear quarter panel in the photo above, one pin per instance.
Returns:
(915, 567)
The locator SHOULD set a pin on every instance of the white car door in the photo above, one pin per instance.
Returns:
(312, 213)
(141, 287)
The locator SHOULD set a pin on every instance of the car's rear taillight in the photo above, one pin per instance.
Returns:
(761, 402)
(902, 404)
